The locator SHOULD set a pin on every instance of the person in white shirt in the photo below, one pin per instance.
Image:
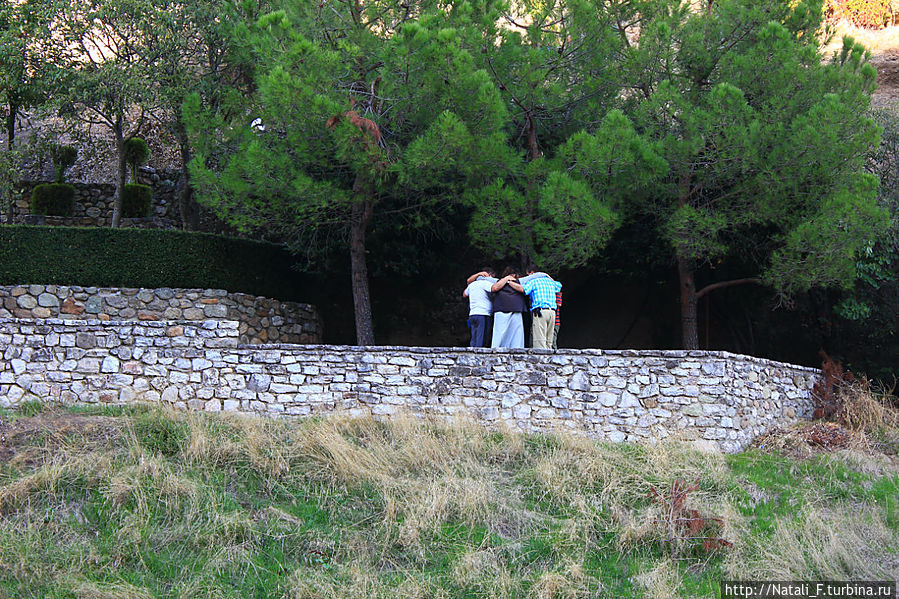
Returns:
(480, 308)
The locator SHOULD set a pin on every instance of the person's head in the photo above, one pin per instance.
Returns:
(489, 270)
(530, 269)
(508, 270)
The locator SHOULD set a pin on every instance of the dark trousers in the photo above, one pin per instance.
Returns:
(480, 331)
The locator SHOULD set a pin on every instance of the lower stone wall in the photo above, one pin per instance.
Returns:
(719, 398)
(260, 319)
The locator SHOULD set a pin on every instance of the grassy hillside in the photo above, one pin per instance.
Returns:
(151, 503)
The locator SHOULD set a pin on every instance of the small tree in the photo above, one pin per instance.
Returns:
(137, 152)
(106, 73)
(27, 57)
(137, 199)
(63, 158)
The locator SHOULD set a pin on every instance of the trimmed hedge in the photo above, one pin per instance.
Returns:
(53, 199)
(136, 200)
(102, 257)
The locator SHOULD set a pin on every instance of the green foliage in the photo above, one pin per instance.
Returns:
(147, 258)
(63, 158)
(53, 199)
(764, 173)
(31, 408)
(26, 68)
(864, 336)
(137, 152)
(165, 436)
(9, 180)
(390, 108)
(137, 200)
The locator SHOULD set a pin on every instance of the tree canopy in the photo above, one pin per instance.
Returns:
(719, 129)
(353, 111)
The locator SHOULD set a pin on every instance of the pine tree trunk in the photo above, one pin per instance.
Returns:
(361, 215)
(119, 176)
(533, 149)
(688, 303)
(188, 209)
(686, 272)
(10, 138)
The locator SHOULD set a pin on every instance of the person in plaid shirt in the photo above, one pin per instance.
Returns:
(542, 293)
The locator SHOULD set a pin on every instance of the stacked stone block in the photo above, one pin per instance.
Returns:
(260, 319)
(719, 398)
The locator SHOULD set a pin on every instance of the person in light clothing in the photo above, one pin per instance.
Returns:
(509, 306)
(480, 308)
(541, 292)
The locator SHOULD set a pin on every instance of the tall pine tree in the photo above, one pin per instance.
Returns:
(357, 109)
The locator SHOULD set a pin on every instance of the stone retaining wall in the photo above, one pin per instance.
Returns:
(260, 319)
(716, 397)
(93, 202)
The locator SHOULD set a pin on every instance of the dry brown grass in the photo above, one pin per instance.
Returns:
(825, 544)
(875, 40)
(661, 581)
(863, 409)
(91, 590)
(397, 492)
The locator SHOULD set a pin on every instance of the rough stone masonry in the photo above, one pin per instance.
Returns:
(260, 319)
(720, 398)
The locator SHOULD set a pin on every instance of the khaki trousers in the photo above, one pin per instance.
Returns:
(542, 329)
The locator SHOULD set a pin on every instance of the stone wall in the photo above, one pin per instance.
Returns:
(93, 203)
(713, 397)
(260, 319)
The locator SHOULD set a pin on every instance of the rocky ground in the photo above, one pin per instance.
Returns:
(887, 93)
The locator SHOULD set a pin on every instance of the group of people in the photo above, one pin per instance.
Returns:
(497, 306)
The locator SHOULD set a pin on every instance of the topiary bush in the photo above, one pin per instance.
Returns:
(137, 200)
(53, 199)
(136, 153)
(63, 158)
(104, 257)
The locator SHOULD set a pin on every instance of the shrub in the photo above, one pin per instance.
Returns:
(104, 257)
(137, 200)
(63, 158)
(870, 14)
(136, 153)
(53, 199)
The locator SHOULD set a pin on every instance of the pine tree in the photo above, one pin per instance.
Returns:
(356, 110)
(765, 142)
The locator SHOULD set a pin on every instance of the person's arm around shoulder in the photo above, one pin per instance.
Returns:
(527, 285)
(516, 286)
(477, 276)
(501, 283)
(532, 276)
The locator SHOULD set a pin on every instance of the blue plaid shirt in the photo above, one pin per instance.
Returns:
(542, 292)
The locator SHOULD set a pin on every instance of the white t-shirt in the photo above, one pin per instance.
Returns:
(479, 303)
